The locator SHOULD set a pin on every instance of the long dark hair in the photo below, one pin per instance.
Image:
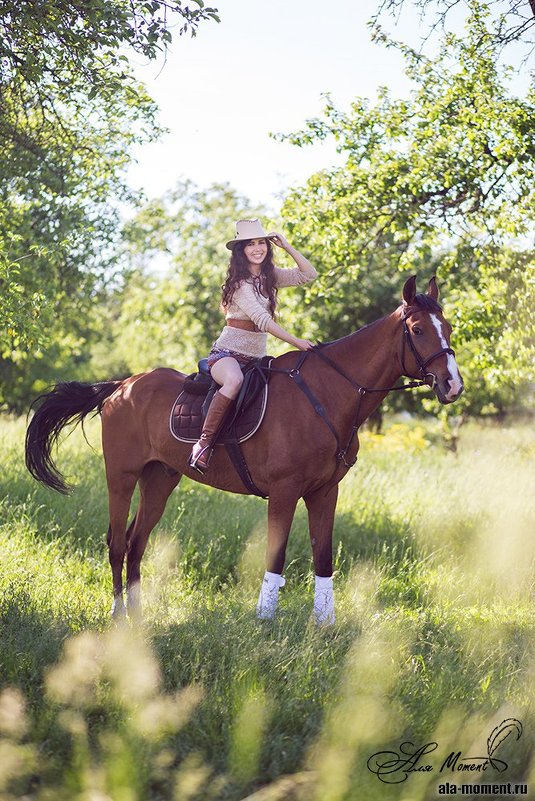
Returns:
(238, 270)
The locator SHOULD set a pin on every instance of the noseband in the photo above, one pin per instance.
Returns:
(422, 363)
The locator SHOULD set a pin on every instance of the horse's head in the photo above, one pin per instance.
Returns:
(426, 351)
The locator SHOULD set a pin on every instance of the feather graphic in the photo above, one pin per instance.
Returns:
(498, 735)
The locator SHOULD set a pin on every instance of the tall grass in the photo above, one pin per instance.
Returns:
(435, 559)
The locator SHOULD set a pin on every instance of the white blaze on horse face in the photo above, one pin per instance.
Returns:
(456, 383)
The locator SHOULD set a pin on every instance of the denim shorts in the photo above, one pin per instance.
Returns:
(217, 353)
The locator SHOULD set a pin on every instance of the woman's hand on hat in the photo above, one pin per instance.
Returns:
(279, 240)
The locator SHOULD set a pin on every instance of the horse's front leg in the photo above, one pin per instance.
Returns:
(321, 505)
(281, 508)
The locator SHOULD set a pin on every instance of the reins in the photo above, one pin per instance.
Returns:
(295, 374)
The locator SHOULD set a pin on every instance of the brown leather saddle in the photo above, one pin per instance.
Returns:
(190, 408)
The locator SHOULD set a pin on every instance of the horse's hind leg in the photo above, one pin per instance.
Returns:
(155, 487)
(321, 505)
(120, 489)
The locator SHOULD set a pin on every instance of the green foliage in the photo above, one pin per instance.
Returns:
(59, 218)
(70, 112)
(441, 183)
(44, 40)
(18, 310)
(492, 312)
(515, 19)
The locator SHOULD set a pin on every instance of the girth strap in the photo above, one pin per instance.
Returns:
(259, 370)
(238, 460)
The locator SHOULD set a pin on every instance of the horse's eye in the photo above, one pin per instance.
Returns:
(417, 331)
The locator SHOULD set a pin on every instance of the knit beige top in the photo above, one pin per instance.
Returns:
(248, 304)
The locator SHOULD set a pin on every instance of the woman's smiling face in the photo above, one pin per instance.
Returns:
(255, 251)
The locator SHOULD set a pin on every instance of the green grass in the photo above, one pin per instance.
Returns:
(435, 559)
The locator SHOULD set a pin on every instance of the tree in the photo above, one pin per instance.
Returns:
(514, 19)
(60, 191)
(58, 58)
(46, 43)
(70, 112)
(441, 181)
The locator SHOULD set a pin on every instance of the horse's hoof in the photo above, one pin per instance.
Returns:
(265, 617)
(325, 622)
(118, 610)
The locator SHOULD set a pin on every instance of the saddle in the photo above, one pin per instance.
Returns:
(190, 408)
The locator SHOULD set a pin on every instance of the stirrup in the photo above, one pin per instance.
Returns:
(193, 461)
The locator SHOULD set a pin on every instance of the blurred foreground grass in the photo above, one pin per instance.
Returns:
(435, 560)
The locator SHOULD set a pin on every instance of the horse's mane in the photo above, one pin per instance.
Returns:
(425, 302)
(421, 301)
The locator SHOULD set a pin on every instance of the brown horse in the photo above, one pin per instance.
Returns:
(304, 447)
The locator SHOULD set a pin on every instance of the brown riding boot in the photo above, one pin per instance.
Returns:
(202, 450)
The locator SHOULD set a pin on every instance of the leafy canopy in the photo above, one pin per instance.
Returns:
(70, 112)
(441, 181)
(514, 19)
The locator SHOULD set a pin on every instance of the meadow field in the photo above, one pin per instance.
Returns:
(434, 642)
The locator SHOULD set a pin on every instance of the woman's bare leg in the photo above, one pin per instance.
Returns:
(228, 374)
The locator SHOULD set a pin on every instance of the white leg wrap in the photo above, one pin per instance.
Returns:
(269, 595)
(118, 609)
(324, 601)
(133, 598)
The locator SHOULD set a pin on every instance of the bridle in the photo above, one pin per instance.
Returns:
(422, 363)
(295, 374)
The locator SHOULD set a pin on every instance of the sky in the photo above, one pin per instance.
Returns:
(263, 69)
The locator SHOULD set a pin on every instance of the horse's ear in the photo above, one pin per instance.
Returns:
(409, 290)
(432, 289)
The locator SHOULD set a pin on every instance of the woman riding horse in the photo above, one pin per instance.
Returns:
(308, 439)
(249, 301)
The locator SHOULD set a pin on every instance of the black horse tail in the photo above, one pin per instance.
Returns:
(66, 402)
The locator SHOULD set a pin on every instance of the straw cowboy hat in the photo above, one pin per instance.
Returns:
(248, 229)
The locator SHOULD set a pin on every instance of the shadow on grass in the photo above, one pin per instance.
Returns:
(229, 652)
(222, 647)
(215, 530)
(31, 641)
(302, 671)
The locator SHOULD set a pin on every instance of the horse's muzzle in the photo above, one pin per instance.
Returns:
(448, 390)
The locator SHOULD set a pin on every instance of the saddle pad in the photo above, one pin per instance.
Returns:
(185, 421)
